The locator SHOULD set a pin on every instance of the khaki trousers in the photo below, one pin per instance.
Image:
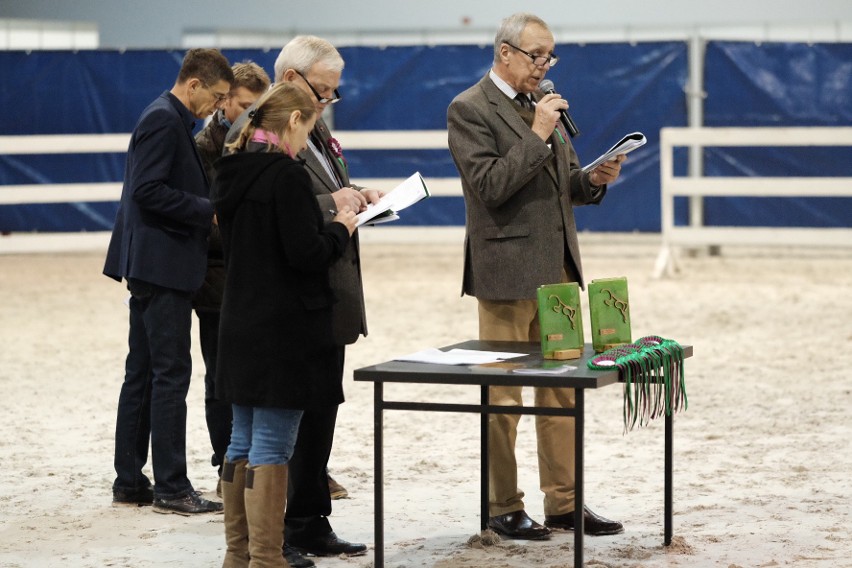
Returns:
(517, 320)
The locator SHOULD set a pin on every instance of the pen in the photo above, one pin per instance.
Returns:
(333, 212)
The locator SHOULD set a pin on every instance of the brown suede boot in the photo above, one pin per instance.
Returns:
(266, 501)
(236, 526)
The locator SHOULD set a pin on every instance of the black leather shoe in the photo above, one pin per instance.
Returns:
(593, 524)
(190, 504)
(518, 525)
(295, 559)
(328, 545)
(138, 498)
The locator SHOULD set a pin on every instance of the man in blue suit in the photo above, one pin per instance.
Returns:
(159, 246)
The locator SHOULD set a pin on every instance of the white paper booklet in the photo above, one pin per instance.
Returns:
(404, 195)
(625, 145)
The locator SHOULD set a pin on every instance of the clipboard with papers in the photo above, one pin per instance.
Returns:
(624, 146)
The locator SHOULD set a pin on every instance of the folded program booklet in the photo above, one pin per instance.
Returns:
(406, 194)
(625, 145)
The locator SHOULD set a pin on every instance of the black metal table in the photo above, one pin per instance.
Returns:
(485, 376)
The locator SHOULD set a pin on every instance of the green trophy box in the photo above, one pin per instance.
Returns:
(610, 313)
(561, 320)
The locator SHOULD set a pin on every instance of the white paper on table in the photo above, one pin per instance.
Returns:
(560, 370)
(457, 356)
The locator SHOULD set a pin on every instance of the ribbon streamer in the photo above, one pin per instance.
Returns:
(653, 375)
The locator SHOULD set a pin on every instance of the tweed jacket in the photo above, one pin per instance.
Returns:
(210, 141)
(519, 194)
(350, 316)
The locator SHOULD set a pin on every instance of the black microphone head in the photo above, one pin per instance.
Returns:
(546, 85)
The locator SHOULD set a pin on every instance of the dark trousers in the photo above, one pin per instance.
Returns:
(308, 499)
(217, 412)
(152, 403)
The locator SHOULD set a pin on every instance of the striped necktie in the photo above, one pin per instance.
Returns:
(524, 101)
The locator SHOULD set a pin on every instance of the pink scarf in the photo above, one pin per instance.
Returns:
(265, 137)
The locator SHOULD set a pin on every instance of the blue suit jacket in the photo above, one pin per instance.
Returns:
(162, 223)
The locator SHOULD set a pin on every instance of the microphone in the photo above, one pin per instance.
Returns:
(547, 86)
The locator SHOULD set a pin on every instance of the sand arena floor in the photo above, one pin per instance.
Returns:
(763, 460)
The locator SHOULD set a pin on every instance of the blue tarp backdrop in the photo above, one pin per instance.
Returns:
(778, 84)
(613, 89)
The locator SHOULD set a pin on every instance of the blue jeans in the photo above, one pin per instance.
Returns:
(263, 436)
(152, 403)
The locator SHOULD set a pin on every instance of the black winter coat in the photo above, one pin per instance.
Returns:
(275, 335)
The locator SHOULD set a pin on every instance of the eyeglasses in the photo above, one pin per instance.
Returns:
(219, 97)
(321, 100)
(538, 60)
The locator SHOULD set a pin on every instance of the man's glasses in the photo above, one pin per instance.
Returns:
(320, 99)
(219, 97)
(538, 60)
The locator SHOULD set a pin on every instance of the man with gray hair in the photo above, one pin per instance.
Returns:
(315, 66)
(520, 179)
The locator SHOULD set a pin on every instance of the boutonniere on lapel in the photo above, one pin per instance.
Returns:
(336, 150)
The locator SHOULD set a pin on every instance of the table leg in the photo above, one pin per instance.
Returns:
(669, 459)
(378, 468)
(483, 474)
(579, 526)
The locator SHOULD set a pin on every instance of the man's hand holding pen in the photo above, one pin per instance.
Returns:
(356, 200)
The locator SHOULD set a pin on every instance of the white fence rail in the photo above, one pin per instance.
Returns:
(697, 234)
(117, 144)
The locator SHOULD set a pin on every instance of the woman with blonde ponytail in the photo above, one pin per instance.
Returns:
(276, 355)
(273, 114)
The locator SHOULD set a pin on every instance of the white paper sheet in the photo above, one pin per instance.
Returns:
(457, 356)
